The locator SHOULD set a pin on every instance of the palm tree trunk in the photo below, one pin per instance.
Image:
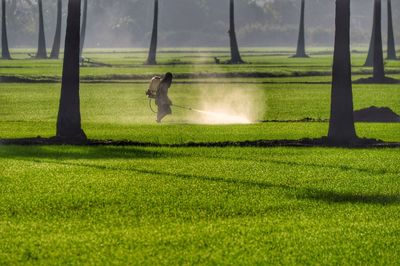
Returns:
(341, 126)
(379, 68)
(151, 60)
(41, 53)
(235, 54)
(83, 30)
(369, 62)
(4, 38)
(391, 43)
(301, 46)
(55, 52)
(69, 116)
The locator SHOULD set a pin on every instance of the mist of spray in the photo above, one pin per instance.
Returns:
(221, 118)
(224, 118)
(227, 105)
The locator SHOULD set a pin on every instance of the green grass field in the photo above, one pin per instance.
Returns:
(66, 205)
(182, 206)
(128, 64)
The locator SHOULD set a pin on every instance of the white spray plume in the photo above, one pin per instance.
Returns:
(227, 104)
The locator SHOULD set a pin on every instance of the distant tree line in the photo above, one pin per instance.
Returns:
(124, 23)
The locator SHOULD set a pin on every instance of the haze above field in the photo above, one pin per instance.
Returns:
(127, 23)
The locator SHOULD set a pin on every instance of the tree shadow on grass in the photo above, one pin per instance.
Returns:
(78, 153)
(335, 167)
(55, 156)
(346, 197)
(299, 192)
(381, 171)
(313, 194)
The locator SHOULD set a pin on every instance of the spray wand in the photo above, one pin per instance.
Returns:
(183, 107)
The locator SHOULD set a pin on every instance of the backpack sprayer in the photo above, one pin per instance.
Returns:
(152, 91)
(153, 87)
(152, 94)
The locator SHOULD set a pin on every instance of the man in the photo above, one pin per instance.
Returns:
(162, 101)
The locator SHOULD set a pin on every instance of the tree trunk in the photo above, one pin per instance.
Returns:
(235, 54)
(69, 116)
(391, 44)
(151, 60)
(83, 30)
(377, 17)
(301, 46)
(379, 68)
(341, 126)
(4, 39)
(41, 53)
(55, 52)
(370, 58)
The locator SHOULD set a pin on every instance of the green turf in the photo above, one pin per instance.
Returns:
(129, 64)
(63, 205)
(121, 111)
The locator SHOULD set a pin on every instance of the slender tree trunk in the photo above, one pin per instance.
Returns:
(4, 39)
(151, 60)
(301, 44)
(391, 43)
(369, 62)
(379, 68)
(83, 30)
(55, 52)
(69, 116)
(235, 54)
(41, 53)
(341, 126)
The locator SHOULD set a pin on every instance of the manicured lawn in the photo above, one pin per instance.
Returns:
(67, 205)
(121, 111)
(73, 205)
(128, 64)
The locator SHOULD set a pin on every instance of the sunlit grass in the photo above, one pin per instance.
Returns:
(182, 206)
(129, 63)
(70, 205)
(121, 111)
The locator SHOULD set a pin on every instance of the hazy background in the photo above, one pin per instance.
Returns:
(197, 23)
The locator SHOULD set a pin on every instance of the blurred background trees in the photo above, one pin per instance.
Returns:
(125, 23)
